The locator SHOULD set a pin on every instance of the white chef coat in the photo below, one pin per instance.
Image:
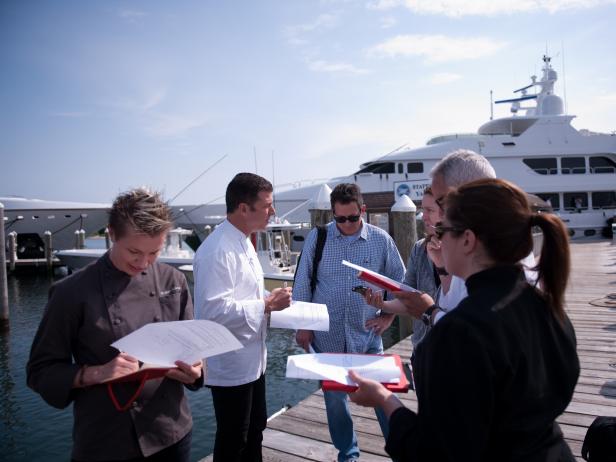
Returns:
(229, 290)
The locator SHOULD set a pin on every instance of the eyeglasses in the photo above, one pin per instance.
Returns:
(440, 201)
(440, 230)
(343, 219)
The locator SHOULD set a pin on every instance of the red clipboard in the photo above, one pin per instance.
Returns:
(150, 370)
(401, 387)
(378, 280)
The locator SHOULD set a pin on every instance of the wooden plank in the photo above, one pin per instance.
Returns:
(307, 448)
(368, 443)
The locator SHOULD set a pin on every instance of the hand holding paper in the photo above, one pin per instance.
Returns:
(185, 373)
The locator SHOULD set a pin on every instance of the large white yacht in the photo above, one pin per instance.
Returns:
(30, 218)
(536, 147)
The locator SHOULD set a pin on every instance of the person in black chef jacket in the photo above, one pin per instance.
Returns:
(495, 373)
(71, 355)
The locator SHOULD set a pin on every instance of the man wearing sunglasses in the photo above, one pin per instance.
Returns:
(355, 327)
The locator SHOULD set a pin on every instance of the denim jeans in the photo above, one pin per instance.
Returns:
(339, 415)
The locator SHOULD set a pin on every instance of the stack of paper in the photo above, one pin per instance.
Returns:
(302, 315)
(164, 343)
(336, 366)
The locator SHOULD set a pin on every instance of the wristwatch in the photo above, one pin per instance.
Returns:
(426, 317)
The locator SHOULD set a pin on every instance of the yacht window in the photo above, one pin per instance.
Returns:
(379, 167)
(414, 167)
(602, 165)
(543, 165)
(604, 200)
(400, 168)
(575, 201)
(551, 198)
(573, 165)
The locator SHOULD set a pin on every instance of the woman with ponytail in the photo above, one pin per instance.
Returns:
(496, 372)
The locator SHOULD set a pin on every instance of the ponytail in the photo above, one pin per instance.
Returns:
(499, 214)
(555, 261)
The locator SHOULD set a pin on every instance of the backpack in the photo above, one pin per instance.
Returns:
(318, 253)
(600, 440)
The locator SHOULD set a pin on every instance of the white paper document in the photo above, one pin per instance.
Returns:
(336, 366)
(163, 343)
(302, 315)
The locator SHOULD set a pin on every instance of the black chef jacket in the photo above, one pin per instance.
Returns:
(493, 375)
(85, 313)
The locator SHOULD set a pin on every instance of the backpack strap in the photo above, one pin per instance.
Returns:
(318, 253)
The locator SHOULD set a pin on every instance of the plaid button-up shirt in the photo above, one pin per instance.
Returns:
(372, 248)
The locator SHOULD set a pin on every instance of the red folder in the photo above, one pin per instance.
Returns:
(150, 371)
(401, 387)
(378, 280)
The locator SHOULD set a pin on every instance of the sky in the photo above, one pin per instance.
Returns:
(97, 97)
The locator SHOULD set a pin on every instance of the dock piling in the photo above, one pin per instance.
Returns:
(80, 238)
(48, 249)
(404, 232)
(320, 207)
(12, 250)
(4, 288)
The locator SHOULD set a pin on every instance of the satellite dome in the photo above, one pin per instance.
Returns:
(552, 105)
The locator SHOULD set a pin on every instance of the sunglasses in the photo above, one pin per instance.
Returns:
(440, 230)
(343, 219)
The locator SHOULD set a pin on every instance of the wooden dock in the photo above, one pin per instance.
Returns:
(301, 434)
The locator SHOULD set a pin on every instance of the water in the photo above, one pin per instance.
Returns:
(33, 431)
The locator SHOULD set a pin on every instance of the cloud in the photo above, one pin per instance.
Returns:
(171, 125)
(151, 111)
(443, 78)
(324, 66)
(142, 104)
(437, 48)
(324, 21)
(384, 4)
(457, 8)
(153, 99)
(608, 98)
(387, 22)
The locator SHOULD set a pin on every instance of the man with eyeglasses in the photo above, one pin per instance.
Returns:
(454, 170)
(355, 326)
